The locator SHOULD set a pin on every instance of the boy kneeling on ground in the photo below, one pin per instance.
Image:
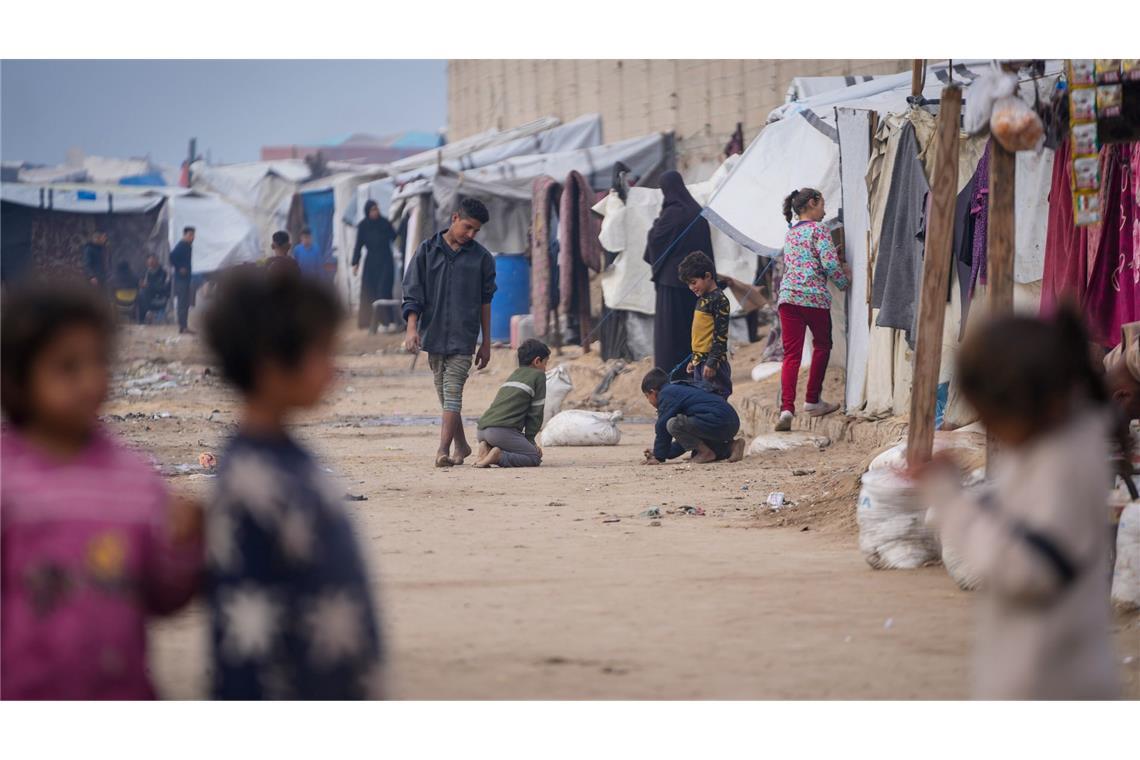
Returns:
(508, 427)
(690, 418)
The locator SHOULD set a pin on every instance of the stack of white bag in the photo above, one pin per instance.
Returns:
(1126, 574)
(576, 427)
(893, 534)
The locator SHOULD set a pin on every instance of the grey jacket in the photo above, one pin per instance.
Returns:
(447, 289)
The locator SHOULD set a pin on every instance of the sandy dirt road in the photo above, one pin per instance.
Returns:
(546, 583)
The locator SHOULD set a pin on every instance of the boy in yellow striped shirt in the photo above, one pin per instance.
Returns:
(710, 324)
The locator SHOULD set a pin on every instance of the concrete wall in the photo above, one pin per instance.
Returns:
(700, 100)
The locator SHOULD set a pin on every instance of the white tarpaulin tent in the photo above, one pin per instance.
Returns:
(225, 236)
(583, 132)
(799, 148)
(626, 285)
(262, 190)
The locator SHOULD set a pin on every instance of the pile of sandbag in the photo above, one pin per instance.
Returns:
(784, 441)
(967, 446)
(893, 533)
(577, 427)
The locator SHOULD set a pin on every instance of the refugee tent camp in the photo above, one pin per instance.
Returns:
(846, 143)
(46, 226)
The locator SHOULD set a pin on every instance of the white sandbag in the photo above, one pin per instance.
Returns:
(784, 441)
(558, 386)
(576, 427)
(969, 446)
(1126, 573)
(765, 370)
(893, 534)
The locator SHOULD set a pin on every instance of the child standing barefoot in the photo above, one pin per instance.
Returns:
(91, 543)
(289, 595)
(710, 324)
(810, 259)
(1039, 537)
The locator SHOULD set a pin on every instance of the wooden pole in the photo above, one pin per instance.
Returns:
(1000, 244)
(935, 280)
(916, 73)
(999, 231)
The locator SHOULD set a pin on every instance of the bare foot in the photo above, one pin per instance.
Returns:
(484, 450)
(459, 454)
(442, 460)
(493, 457)
(703, 455)
(737, 450)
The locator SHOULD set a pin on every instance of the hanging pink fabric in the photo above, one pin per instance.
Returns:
(1065, 274)
(1111, 299)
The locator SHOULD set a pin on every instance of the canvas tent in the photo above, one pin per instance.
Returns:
(262, 190)
(825, 141)
(140, 220)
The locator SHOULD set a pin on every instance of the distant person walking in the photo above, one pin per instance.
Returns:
(376, 234)
(678, 231)
(181, 261)
(95, 259)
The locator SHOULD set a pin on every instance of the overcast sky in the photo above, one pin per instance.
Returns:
(135, 108)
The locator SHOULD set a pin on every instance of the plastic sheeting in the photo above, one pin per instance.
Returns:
(788, 154)
(82, 199)
(224, 236)
(625, 228)
(855, 153)
(584, 132)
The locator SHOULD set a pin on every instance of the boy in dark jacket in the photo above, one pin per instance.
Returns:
(690, 417)
(508, 427)
(447, 300)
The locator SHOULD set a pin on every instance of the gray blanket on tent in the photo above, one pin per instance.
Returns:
(898, 267)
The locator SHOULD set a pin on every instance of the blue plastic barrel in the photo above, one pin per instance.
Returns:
(512, 275)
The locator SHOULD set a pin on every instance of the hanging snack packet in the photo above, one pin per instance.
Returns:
(1082, 105)
(1107, 70)
(1109, 100)
(1082, 72)
(1086, 208)
(1084, 140)
(1130, 69)
(1086, 173)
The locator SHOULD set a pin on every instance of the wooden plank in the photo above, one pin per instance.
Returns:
(999, 232)
(916, 74)
(935, 280)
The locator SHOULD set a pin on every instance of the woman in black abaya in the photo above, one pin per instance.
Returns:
(376, 234)
(673, 322)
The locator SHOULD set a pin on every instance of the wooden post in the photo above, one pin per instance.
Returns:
(935, 280)
(999, 232)
(1000, 244)
(916, 73)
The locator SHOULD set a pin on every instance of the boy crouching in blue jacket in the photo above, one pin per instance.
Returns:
(690, 417)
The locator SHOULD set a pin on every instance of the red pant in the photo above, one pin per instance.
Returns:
(794, 319)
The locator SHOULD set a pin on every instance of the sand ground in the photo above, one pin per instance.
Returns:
(546, 583)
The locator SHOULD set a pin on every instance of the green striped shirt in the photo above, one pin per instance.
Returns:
(519, 403)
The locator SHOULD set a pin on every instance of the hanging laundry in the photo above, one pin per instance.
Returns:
(1111, 299)
(1066, 266)
(980, 211)
(898, 266)
(543, 282)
